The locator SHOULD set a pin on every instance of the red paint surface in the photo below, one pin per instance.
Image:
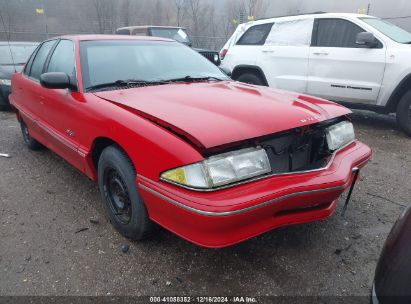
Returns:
(163, 127)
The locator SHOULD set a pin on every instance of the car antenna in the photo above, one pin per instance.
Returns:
(8, 41)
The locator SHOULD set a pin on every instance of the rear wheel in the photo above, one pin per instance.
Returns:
(122, 201)
(404, 113)
(250, 78)
(31, 143)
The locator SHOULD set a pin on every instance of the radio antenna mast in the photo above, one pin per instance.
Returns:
(8, 41)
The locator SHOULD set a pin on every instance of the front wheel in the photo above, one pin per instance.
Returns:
(250, 78)
(404, 113)
(122, 201)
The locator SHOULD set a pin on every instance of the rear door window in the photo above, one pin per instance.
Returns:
(41, 56)
(255, 35)
(291, 33)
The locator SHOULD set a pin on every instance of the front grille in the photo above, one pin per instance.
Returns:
(210, 56)
(297, 150)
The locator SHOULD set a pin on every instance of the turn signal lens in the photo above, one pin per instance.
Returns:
(221, 169)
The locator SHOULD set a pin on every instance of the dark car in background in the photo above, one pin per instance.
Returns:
(171, 32)
(392, 283)
(13, 57)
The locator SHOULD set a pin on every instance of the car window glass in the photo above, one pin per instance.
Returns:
(63, 60)
(108, 61)
(394, 32)
(123, 32)
(178, 34)
(337, 33)
(30, 62)
(39, 60)
(294, 33)
(140, 33)
(255, 35)
(16, 53)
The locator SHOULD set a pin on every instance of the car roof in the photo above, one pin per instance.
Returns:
(305, 16)
(149, 26)
(110, 37)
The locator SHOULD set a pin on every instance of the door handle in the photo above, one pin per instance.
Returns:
(323, 53)
(268, 51)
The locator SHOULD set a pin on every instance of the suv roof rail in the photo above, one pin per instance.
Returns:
(312, 13)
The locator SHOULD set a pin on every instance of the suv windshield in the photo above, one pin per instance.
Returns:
(177, 34)
(110, 61)
(388, 29)
(21, 53)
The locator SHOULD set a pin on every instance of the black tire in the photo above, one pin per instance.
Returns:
(30, 142)
(404, 113)
(250, 78)
(5, 108)
(122, 201)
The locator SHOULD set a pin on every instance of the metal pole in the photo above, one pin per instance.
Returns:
(368, 8)
(45, 19)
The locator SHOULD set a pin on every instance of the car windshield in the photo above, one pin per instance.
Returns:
(177, 34)
(111, 61)
(20, 52)
(388, 29)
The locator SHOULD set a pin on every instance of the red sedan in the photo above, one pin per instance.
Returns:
(171, 140)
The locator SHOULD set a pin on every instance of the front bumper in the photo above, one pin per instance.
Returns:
(229, 216)
(4, 95)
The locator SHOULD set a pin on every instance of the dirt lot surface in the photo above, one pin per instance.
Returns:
(56, 240)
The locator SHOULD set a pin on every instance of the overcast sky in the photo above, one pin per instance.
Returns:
(379, 8)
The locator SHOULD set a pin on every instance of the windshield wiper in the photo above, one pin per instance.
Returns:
(193, 79)
(123, 83)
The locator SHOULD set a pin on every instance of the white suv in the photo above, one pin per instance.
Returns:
(357, 60)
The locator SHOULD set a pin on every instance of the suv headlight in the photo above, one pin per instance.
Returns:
(222, 169)
(6, 82)
(339, 135)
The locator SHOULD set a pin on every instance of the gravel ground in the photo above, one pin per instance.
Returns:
(55, 239)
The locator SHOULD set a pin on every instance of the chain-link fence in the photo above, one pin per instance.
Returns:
(212, 43)
(30, 36)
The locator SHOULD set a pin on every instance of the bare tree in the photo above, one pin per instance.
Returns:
(125, 16)
(104, 10)
(255, 8)
(6, 20)
(180, 9)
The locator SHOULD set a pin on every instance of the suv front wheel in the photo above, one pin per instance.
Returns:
(250, 78)
(404, 113)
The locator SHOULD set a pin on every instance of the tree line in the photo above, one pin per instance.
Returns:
(210, 22)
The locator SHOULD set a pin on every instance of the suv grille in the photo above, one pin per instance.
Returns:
(211, 56)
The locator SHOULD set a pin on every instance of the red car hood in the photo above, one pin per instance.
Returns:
(214, 114)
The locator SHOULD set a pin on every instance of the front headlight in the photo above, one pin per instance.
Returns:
(339, 135)
(216, 57)
(221, 169)
(6, 82)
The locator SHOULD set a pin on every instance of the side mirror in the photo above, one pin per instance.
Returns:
(56, 80)
(367, 39)
(226, 71)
